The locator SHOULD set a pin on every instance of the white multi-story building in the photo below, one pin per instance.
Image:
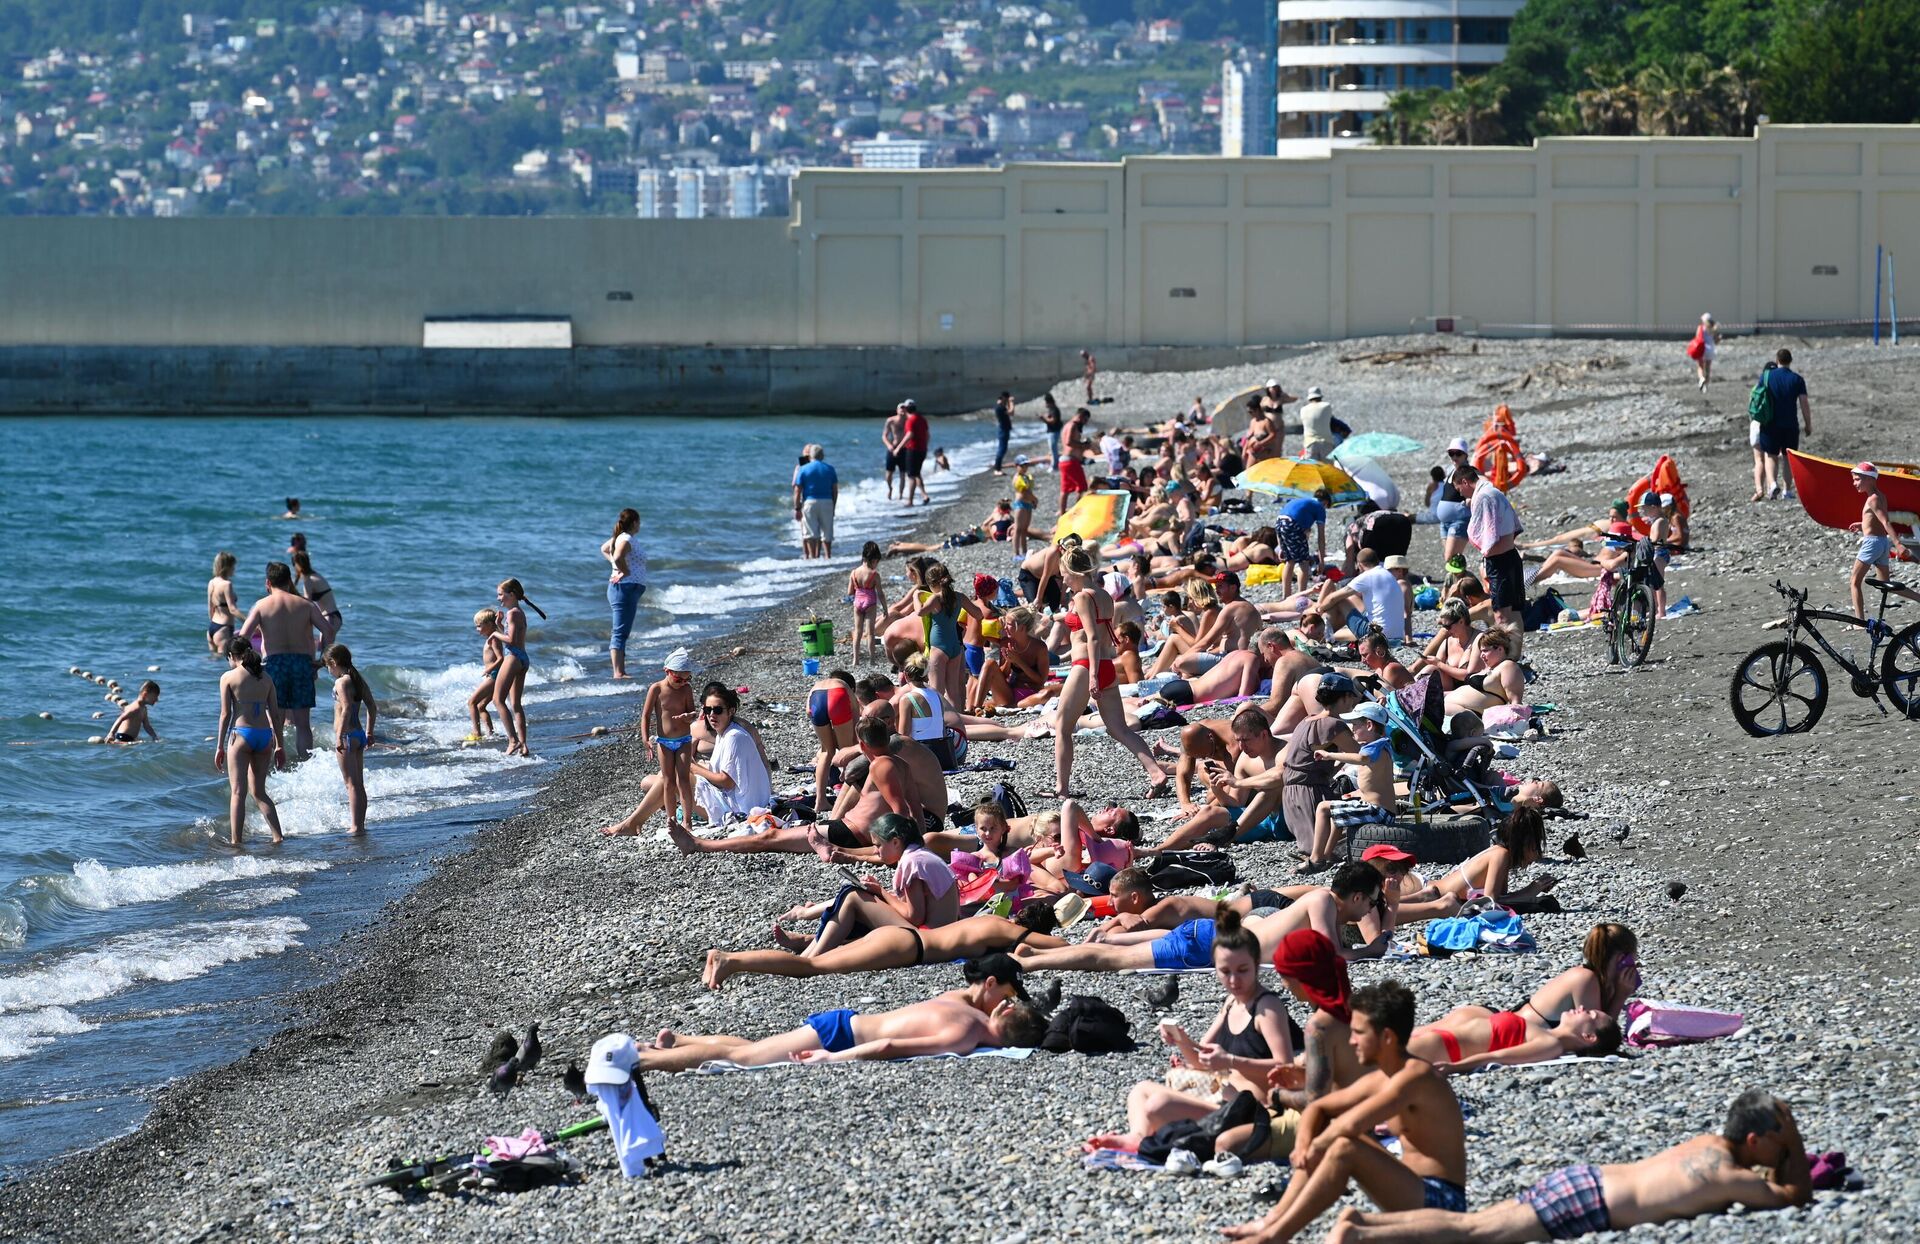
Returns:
(1340, 59)
(1246, 109)
(892, 151)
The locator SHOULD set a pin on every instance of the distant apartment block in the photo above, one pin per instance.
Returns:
(1246, 109)
(894, 152)
(1340, 59)
(745, 192)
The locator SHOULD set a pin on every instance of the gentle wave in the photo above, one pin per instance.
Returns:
(98, 888)
(123, 962)
(26, 1032)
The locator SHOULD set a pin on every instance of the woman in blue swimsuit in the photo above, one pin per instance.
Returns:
(942, 610)
(249, 737)
(350, 738)
(510, 683)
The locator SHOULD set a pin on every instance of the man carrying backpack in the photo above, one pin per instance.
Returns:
(1771, 408)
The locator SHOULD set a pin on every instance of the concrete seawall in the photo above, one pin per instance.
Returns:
(586, 380)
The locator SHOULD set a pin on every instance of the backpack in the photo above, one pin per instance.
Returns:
(1544, 611)
(1006, 796)
(1089, 1025)
(1008, 598)
(1180, 870)
(1760, 402)
(1200, 1136)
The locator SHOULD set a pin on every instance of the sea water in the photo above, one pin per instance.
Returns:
(135, 945)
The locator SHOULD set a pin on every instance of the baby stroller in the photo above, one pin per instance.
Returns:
(1417, 715)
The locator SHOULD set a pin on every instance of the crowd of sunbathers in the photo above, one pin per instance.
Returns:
(1342, 737)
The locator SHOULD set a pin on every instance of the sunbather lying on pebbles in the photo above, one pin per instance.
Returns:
(892, 946)
(991, 1011)
(1706, 1175)
(1608, 974)
(925, 893)
(1518, 843)
(1354, 892)
(1470, 1037)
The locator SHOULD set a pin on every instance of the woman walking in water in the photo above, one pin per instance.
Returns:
(510, 683)
(249, 737)
(223, 613)
(350, 737)
(1089, 624)
(314, 587)
(626, 583)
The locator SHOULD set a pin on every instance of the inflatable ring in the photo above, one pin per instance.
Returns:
(1498, 458)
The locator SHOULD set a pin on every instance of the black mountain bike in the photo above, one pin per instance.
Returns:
(1781, 686)
(1630, 616)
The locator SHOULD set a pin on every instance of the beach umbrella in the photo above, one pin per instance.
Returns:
(1301, 477)
(1374, 480)
(1375, 445)
(1237, 400)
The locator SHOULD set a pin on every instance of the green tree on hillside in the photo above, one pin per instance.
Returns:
(1849, 61)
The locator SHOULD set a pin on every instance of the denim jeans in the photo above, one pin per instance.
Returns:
(625, 601)
(1000, 454)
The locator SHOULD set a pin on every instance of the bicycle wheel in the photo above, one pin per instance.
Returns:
(1780, 688)
(1900, 672)
(1635, 634)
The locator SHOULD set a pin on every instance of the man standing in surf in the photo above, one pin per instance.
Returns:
(892, 435)
(915, 435)
(286, 623)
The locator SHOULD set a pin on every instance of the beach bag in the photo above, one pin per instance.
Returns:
(1087, 1025)
(1760, 402)
(1697, 348)
(1545, 610)
(1182, 870)
(1198, 1136)
(1008, 598)
(1668, 1023)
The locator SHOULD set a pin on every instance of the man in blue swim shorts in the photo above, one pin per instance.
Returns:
(993, 1011)
(1335, 1145)
(286, 625)
(1700, 1176)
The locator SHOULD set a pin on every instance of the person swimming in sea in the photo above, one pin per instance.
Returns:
(133, 718)
(667, 719)
(350, 737)
(510, 682)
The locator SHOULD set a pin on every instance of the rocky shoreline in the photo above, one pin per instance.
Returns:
(1794, 914)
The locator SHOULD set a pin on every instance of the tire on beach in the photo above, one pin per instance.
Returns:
(1447, 839)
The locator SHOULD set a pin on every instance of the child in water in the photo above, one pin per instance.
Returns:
(350, 738)
(510, 682)
(869, 600)
(667, 719)
(487, 622)
(133, 718)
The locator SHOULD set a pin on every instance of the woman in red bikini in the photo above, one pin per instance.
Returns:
(831, 709)
(1469, 1037)
(1089, 624)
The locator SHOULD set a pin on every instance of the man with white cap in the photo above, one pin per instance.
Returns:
(1316, 423)
(611, 1069)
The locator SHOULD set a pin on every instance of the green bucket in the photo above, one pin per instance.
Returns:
(816, 638)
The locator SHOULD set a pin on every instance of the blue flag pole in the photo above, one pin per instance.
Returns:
(1879, 262)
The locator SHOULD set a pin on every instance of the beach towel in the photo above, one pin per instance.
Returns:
(720, 1066)
(1117, 1160)
(1565, 1060)
(1651, 1023)
(1495, 929)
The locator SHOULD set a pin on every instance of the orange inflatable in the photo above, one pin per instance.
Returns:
(1497, 457)
(1664, 478)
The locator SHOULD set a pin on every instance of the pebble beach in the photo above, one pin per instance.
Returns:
(1795, 912)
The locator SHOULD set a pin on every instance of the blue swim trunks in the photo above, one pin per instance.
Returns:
(676, 743)
(1875, 550)
(1272, 829)
(1444, 1194)
(976, 658)
(834, 1028)
(292, 675)
(1189, 946)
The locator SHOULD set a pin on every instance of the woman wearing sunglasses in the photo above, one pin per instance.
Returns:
(732, 783)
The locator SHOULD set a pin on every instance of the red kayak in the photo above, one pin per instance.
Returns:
(1827, 493)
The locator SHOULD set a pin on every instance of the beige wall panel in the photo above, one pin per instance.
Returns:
(1490, 262)
(1689, 170)
(1594, 245)
(1490, 181)
(1063, 287)
(856, 290)
(1183, 190)
(1816, 255)
(1900, 159)
(1289, 190)
(1608, 172)
(1814, 159)
(1696, 261)
(1286, 282)
(1183, 284)
(857, 203)
(1900, 233)
(1389, 272)
(1078, 195)
(963, 291)
(1390, 181)
(962, 203)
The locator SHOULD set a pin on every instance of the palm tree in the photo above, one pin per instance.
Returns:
(1610, 106)
(1479, 101)
(1404, 122)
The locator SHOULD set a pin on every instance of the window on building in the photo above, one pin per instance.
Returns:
(1416, 77)
(1426, 30)
(1483, 30)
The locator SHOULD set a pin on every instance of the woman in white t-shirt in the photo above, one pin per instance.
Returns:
(626, 583)
(733, 783)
